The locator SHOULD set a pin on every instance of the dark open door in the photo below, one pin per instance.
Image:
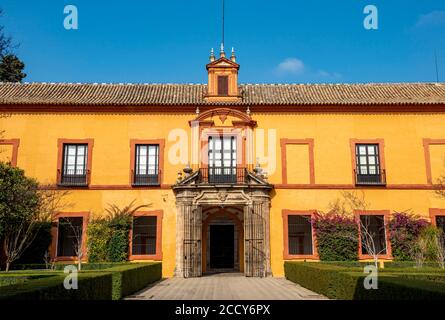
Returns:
(222, 246)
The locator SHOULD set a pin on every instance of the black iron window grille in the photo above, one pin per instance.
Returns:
(368, 170)
(222, 159)
(146, 171)
(74, 166)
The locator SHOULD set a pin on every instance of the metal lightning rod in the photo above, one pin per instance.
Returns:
(222, 42)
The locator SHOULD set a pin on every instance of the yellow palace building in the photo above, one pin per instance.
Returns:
(232, 171)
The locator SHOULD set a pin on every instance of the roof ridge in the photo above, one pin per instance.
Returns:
(102, 83)
(204, 84)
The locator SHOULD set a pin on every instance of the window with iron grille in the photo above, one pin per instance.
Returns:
(144, 235)
(299, 234)
(146, 171)
(368, 164)
(372, 230)
(222, 159)
(223, 85)
(74, 166)
(68, 231)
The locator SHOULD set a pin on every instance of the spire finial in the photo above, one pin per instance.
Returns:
(223, 22)
(233, 57)
(222, 53)
(212, 55)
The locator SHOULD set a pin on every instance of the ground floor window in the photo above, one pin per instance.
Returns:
(69, 236)
(373, 233)
(300, 235)
(440, 222)
(144, 235)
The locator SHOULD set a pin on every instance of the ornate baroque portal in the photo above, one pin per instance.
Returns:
(221, 181)
(254, 199)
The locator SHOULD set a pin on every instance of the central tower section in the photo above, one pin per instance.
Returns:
(222, 78)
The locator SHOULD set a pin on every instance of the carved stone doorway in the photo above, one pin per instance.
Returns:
(223, 239)
(245, 206)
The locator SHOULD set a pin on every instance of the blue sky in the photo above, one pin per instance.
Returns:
(281, 41)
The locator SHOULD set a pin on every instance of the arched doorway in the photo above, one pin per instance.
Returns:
(222, 240)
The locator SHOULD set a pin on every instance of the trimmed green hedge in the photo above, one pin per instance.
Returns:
(338, 282)
(91, 286)
(7, 281)
(14, 278)
(129, 279)
(114, 282)
(60, 266)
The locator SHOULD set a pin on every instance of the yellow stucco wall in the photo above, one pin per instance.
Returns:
(403, 136)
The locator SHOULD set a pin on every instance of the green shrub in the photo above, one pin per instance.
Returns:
(404, 230)
(7, 281)
(124, 279)
(60, 266)
(98, 238)
(12, 278)
(337, 282)
(91, 286)
(337, 237)
(108, 237)
(108, 241)
(131, 278)
(117, 250)
(430, 246)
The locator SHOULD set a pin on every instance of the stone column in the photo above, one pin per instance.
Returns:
(257, 236)
(181, 207)
(266, 216)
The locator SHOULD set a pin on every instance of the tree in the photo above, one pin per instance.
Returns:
(5, 41)
(11, 69)
(19, 202)
(367, 235)
(23, 207)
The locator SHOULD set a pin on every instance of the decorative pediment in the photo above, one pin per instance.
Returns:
(241, 118)
(222, 62)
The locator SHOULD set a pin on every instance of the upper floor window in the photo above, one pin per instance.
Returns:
(368, 169)
(223, 85)
(222, 159)
(74, 166)
(146, 171)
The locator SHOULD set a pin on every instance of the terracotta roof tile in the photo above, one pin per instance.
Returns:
(193, 94)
